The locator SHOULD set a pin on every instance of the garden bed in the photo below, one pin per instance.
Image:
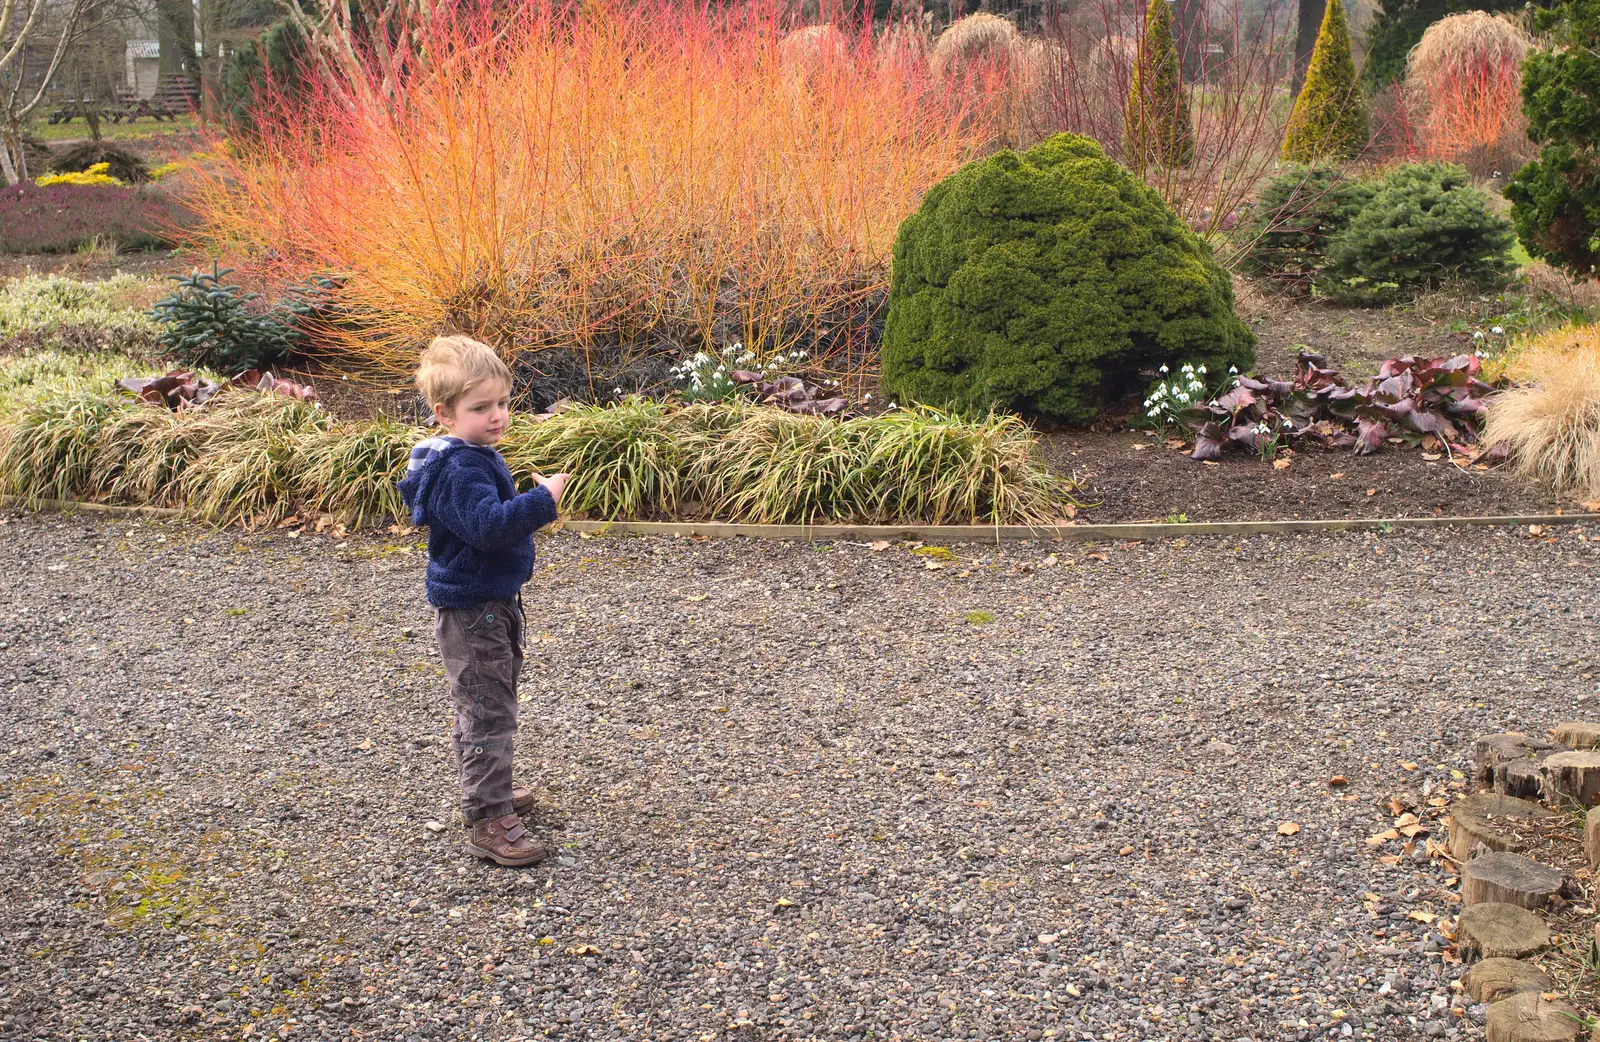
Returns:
(1133, 477)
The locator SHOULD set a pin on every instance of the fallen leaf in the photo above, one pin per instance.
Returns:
(697, 596)
(1410, 831)
(1288, 828)
(1049, 562)
(1390, 859)
(1097, 557)
(1210, 463)
(932, 565)
(784, 902)
(1372, 491)
(1551, 996)
(1380, 838)
(1439, 801)
(1408, 765)
(1592, 506)
(1395, 806)
(1338, 779)
(1280, 464)
(880, 544)
(1421, 916)
(1431, 456)
(1125, 851)
(583, 949)
(1141, 447)
(1535, 530)
(1407, 818)
(1336, 477)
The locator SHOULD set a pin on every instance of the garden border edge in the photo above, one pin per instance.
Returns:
(930, 533)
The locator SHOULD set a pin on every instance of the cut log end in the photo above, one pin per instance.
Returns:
(1494, 979)
(1572, 778)
(1529, 1017)
(1509, 879)
(1494, 749)
(1577, 734)
(1484, 822)
(1500, 931)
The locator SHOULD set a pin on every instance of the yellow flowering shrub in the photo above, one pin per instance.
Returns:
(164, 170)
(95, 175)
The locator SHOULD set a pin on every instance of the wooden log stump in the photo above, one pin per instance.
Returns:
(1572, 777)
(1591, 838)
(1494, 749)
(1509, 879)
(1577, 734)
(1484, 820)
(1500, 931)
(1494, 979)
(1529, 1017)
(1522, 779)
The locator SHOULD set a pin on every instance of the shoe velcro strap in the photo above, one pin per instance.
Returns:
(515, 832)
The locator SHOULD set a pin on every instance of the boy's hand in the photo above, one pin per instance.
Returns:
(556, 483)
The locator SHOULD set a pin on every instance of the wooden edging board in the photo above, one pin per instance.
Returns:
(938, 533)
(1057, 533)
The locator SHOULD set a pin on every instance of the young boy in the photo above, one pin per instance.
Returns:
(480, 552)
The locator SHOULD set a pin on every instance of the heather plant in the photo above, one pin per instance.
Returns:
(1329, 119)
(1555, 200)
(51, 312)
(1425, 224)
(1049, 282)
(61, 218)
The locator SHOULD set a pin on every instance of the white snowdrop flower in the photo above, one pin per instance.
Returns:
(1497, 331)
(1154, 412)
(1164, 369)
(1233, 370)
(868, 397)
(1477, 334)
(802, 354)
(1201, 370)
(1288, 424)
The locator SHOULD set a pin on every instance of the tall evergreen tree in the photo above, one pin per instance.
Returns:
(1555, 200)
(1156, 124)
(1329, 121)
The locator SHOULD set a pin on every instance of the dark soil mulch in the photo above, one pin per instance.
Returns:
(1136, 478)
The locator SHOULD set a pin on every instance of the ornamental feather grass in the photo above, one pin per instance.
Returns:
(1550, 422)
(254, 458)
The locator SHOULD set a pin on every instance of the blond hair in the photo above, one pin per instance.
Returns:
(453, 365)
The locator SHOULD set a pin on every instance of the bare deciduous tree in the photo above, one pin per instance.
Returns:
(40, 22)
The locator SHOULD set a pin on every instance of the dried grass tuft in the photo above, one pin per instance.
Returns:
(1551, 421)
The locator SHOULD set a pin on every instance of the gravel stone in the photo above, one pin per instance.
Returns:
(224, 751)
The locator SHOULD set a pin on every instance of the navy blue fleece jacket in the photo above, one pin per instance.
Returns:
(480, 529)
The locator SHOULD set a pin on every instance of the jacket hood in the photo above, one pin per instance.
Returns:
(423, 467)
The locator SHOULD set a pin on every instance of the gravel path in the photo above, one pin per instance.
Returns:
(799, 793)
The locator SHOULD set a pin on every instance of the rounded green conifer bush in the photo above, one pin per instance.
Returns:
(1329, 119)
(1287, 233)
(1424, 224)
(1051, 282)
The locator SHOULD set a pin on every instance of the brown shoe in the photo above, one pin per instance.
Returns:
(505, 842)
(522, 799)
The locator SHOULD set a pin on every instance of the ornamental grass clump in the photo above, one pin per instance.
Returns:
(250, 456)
(1549, 421)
